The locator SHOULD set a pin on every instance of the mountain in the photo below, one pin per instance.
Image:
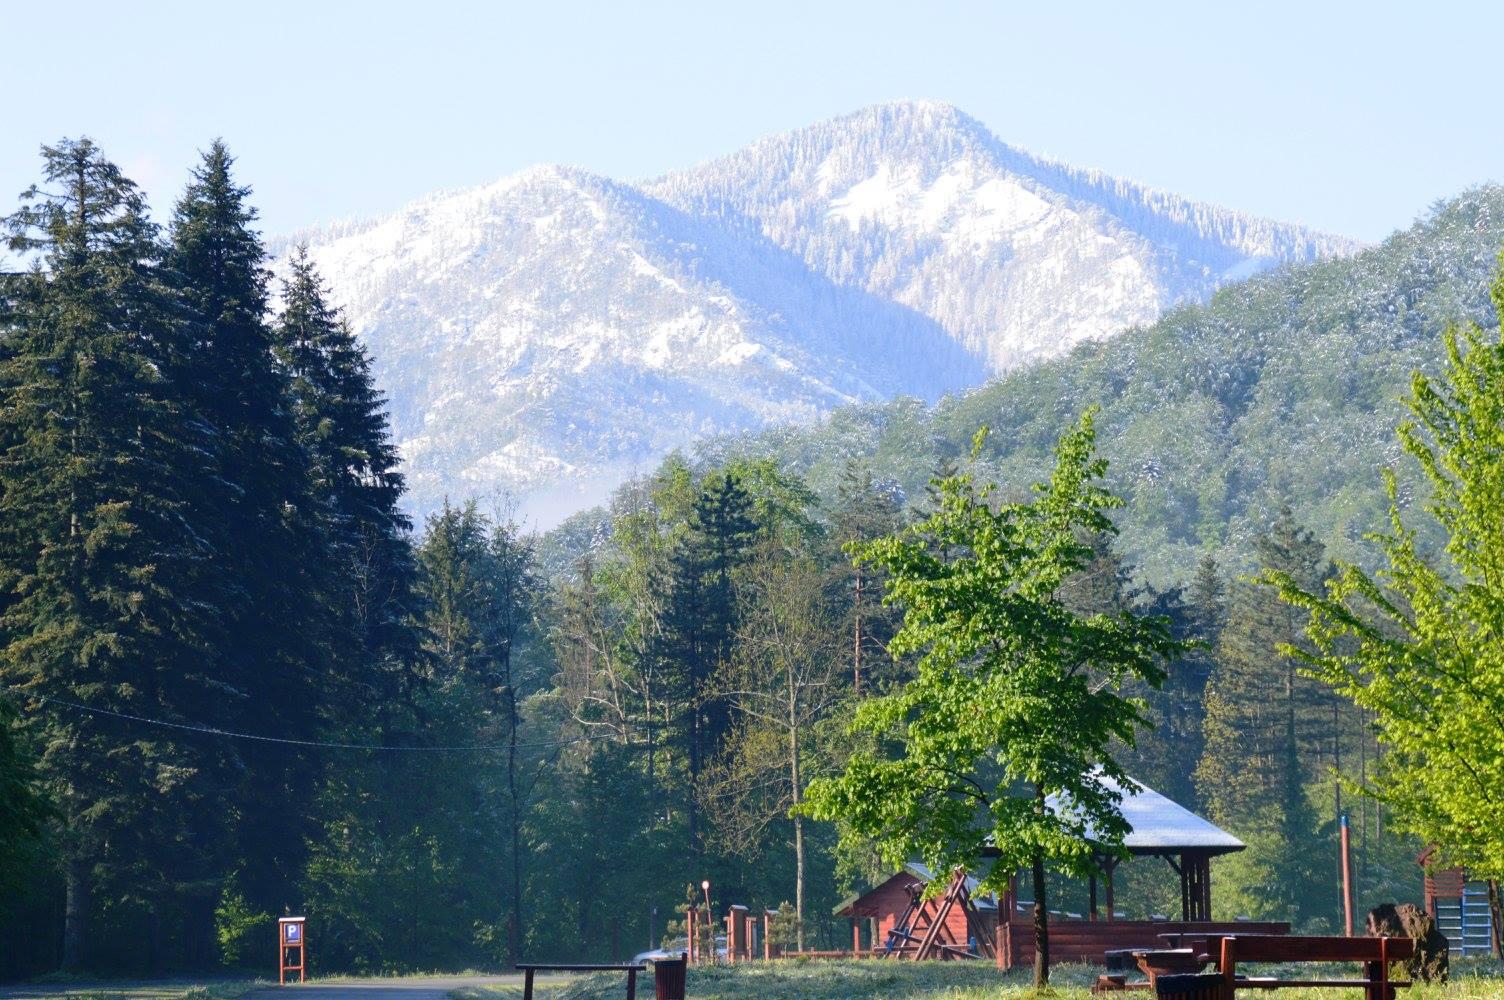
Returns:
(1285, 388)
(1018, 257)
(552, 333)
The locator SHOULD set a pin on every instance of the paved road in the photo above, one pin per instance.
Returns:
(405, 988)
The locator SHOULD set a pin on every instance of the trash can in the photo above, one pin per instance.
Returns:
(668, 977)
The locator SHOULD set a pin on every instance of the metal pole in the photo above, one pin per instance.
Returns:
(1347, 878)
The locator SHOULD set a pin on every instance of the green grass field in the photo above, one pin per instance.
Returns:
(872, 980)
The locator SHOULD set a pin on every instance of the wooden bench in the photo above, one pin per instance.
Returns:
(528, 968)
(1373, 953)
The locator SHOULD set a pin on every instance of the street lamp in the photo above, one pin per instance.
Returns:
(709, 923)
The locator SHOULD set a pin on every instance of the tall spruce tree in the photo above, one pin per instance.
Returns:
(267, 524)
(700, 617)
(1268, 737)
(341, 425)
(108, 596)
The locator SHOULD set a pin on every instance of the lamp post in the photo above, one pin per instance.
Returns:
(709, 923)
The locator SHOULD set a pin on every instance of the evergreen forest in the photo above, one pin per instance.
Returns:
(239, 682)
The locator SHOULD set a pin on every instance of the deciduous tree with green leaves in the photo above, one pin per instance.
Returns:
(1419, 642)
(1000, 744)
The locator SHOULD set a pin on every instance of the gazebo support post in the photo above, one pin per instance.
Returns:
(1195, 871)
(1091, 892)
(1112, 864)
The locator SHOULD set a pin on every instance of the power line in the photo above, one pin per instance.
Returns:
(315, 744)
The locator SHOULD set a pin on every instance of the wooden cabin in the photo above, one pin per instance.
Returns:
(878, 912)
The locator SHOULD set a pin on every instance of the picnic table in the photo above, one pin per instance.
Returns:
(1374, 954)
(529, 968)
(1152, 962)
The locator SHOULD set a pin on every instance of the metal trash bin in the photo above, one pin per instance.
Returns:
(668, 977)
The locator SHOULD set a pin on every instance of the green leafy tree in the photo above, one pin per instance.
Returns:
(1417, 643)
(1001, 741)
(864, 510)
(783, 678)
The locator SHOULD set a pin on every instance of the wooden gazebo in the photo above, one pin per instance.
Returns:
(1163, 828)
(1159, 827)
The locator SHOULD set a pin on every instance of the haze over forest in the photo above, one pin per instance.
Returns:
(482, 578)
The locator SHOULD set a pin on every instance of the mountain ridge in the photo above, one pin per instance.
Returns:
(554, 331)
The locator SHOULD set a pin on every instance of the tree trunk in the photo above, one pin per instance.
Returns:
(798, 841)
(1041, 926)
(75, 913)
(1496, 918)
(856, 648)
(515, 942)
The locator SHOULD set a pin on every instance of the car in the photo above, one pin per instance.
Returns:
(676, 948)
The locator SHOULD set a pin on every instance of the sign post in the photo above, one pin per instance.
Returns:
(290, 940)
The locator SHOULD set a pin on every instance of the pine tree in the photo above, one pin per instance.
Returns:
(267, 525)
(108, 596)
(1267, 730)
(341, 425)
(700, 615)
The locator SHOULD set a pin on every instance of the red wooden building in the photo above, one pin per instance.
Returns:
(1158, 828)
(891, 905)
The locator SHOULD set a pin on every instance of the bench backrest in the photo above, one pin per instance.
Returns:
(1301, 948)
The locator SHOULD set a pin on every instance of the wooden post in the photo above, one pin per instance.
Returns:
(1347, 878)
(1091, 889)
(1184, 870)
(1112, 864)
(632, 983)
(1204, 872)
(527, 985)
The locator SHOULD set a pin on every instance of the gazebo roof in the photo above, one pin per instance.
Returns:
(1163, 826)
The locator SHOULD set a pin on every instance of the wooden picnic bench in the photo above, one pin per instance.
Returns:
(1152, 962)
(1373, 953)
(528, 968)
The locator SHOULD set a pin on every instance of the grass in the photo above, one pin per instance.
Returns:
(877, 980)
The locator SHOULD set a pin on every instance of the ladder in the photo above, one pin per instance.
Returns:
(1466, 921)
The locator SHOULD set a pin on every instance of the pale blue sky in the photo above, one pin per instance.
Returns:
(1350, 117)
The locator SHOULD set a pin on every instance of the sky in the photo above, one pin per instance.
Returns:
(1352, 118)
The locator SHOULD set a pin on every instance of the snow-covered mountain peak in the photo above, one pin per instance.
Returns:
(553, 331)
(1018, 256)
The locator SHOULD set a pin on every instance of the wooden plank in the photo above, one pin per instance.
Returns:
(1302, 948)
(551, 967)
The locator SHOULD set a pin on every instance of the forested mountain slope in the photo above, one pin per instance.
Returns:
(1284, 388)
